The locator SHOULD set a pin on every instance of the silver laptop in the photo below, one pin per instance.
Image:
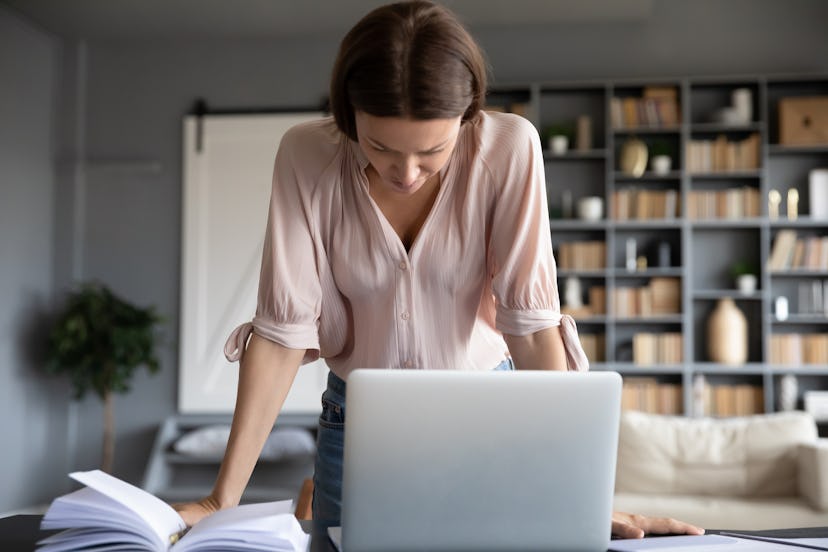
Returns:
(450, 460)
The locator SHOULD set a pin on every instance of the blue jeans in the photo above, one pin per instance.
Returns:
(327, 477)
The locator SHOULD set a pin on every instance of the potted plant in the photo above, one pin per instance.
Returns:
(744, 274)
(99, 340)
(558, 137)
(660, 160)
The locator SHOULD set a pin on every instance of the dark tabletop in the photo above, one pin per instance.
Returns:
(20, 533)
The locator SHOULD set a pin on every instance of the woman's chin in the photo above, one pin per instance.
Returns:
(404, 188)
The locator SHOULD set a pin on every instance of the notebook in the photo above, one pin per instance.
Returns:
(451, 460)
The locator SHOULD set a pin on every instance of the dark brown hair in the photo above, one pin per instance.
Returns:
(409, 59)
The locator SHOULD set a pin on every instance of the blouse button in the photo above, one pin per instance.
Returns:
(405, 316)
(403, 266)
(408, 364)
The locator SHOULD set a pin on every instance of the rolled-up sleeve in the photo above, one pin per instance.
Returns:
(521, 259)
(522, 264)
(290, 293)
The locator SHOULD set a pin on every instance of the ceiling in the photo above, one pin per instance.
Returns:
(171, 19)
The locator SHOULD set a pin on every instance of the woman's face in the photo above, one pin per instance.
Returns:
(406, 152)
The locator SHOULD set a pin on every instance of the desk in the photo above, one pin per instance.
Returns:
(20, 533)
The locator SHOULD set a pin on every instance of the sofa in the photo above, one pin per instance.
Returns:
(757, 472)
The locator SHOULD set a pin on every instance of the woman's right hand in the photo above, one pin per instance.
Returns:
(193, 512)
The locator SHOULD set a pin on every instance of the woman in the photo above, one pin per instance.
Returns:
(409, 231)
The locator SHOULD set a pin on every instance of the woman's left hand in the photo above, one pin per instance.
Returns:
(634, 526)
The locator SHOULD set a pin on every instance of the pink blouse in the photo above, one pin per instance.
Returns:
(337, 281)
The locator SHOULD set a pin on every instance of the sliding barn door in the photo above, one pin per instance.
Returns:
(228, 164)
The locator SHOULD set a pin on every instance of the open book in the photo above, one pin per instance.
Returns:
(110, 514)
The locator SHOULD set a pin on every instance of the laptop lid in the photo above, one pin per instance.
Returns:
(452, 460)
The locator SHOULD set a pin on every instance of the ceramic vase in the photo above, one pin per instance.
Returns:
(746, 283)
(661, 164)
(727, 334)
(788, 389)
(559, 144)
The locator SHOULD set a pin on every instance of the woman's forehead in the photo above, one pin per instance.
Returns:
(405, 134)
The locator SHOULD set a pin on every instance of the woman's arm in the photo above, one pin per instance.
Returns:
(266, 373)
(542, 350)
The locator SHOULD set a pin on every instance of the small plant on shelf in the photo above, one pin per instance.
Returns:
(744, 273)
(557, 137)
(661, 156)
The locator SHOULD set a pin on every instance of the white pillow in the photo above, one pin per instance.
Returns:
(210, 441)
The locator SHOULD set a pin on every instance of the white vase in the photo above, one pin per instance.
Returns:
(746, 283)
(591, 208)
(572, 293)
(788, 390)
(727, 334)
(661, 164)
(558, 144)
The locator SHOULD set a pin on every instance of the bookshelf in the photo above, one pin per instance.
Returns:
(683, 229)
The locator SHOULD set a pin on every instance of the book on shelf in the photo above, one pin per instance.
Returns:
(726, 400)
(666, 295)
(812, 297)
(593, 345)
(110, 514)
(634, 203)
(582, 255)
(650, 349)
(733, 203)
(723, 155)
(649, 395)
(783, 250)
(797, 349)
(597, 299)
(657, 107)
(662, 296)
(793, 252)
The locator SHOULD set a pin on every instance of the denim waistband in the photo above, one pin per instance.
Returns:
(336, 384)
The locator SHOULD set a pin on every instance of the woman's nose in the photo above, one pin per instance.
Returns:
(409, 170)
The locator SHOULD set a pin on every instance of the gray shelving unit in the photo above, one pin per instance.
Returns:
(702, 250)
(176, 477)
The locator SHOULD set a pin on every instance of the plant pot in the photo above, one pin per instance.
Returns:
(746, 283)
(559, 144)
(661, 164)
(591, 208)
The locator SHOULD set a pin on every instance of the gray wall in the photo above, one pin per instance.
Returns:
(123, 103)
(33, 407)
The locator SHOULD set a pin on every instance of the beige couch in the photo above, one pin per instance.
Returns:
(757, 472)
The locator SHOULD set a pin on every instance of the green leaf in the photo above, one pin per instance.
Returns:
(100, 340)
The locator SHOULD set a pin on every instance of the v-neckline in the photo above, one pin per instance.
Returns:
(406, 215)
(388, 229)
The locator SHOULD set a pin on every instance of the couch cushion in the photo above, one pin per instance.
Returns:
(813, 473)
(719, 512)
(747, 456)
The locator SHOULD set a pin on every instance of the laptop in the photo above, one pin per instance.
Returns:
(451, 460)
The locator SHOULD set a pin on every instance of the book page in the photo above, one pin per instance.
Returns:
(90, 515)
(96, 539)
(160, 516)
(266, 526)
